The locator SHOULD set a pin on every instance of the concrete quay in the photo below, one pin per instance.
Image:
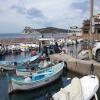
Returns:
(82, 67)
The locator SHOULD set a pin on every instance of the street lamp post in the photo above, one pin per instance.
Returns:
(91, 26)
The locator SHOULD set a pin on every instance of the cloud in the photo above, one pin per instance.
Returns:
(97, 7)
(18, 9)
(81, 5)
(84, 6)
(34, 13)
(29, 13)
(43, 13)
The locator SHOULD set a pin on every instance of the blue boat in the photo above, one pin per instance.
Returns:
(27, 70)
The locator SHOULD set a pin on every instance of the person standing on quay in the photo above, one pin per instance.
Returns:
(56, 48)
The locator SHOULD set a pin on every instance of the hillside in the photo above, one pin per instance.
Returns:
(29, 30)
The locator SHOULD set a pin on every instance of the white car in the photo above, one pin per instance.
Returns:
(96, 51)
(84, 54)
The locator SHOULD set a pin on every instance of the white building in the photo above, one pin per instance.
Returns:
(74, 30)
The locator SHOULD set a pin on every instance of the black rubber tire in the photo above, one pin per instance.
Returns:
(98, 55)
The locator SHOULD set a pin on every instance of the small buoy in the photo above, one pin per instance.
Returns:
(27, 79)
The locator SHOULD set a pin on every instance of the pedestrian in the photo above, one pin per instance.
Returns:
(56, 48)
(71, 52)
(39, 47)
(45, 51)
(76, 43)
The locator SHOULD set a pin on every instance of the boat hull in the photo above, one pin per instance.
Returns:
(7, 68)
(23, 73)
(30, 86)
(89, 87)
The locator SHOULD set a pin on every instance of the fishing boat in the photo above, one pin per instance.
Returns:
(38, 79)
(7, 66)
(28, 70)
(79, 89)
(30, 59)
(11, 65)
(23, 72)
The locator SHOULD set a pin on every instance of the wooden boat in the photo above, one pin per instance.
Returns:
(30, 59)
(38, 79)
(26, 71)
(79, 89)
(7, 66)
(23, 72)
(10, 65)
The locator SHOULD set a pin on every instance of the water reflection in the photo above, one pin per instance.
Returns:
(15, 57)
(3, 87)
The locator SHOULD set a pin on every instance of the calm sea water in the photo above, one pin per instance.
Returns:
(35, 35)
(15, 35)
(37, 94)
(15, 57)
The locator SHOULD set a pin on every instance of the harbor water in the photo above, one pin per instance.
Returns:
(15, 35)
(37, 94)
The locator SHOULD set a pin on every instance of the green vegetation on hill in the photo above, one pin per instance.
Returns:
(29, 30)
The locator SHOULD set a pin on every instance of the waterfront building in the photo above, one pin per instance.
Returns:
(75, 32)
(96, 28)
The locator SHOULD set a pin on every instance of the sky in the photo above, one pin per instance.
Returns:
(16, 14)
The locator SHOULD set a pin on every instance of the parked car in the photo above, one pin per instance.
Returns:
(96, 51)
(83, 55)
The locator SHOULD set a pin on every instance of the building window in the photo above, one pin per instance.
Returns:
(86, 31)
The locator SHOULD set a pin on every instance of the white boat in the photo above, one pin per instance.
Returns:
(79, 89)
(69, 42)
(38, 79)
(24, 47)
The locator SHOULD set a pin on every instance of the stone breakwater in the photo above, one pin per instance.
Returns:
(17, 41)
(82, 67)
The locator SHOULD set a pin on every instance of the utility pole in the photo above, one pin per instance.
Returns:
(91, 18)
(91, 26)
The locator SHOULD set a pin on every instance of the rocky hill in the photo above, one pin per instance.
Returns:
(29, 30)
